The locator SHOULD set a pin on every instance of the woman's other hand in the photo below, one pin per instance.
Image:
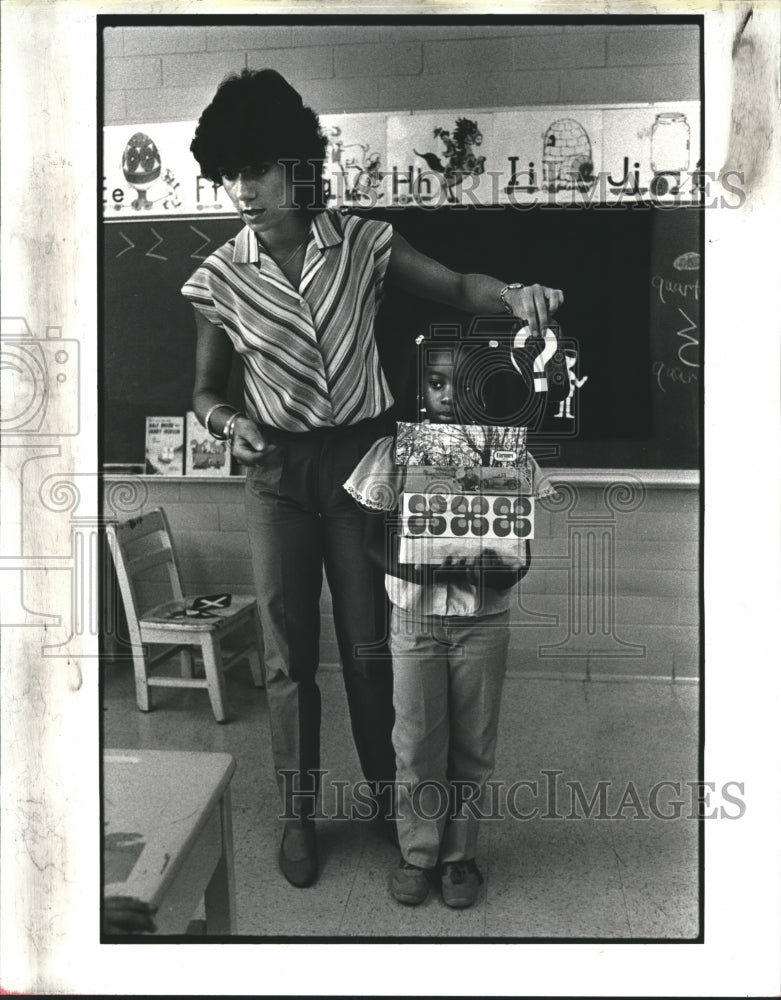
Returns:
(249, 445)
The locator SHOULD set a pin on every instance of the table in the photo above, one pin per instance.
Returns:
(167, 834)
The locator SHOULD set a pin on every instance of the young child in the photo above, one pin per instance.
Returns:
(449, 639)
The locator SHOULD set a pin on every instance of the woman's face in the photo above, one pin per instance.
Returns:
(258, 195)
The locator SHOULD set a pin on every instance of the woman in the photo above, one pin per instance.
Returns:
(296, 295)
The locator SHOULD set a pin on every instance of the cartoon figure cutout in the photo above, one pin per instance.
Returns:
(565, 406)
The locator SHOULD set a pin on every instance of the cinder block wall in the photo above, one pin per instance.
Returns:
(645, 623)
(155, 74)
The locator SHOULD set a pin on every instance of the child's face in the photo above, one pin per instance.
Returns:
(438, 393)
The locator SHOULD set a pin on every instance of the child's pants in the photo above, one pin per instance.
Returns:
(447, 686)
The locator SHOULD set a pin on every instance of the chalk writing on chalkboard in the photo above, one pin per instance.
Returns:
(689, 344)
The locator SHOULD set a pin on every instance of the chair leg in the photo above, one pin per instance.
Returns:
(212, 662)
(139, 669)
(186, 660)
(256, 667)
(257, 661)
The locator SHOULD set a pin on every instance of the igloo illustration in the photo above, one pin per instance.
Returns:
(567, 162)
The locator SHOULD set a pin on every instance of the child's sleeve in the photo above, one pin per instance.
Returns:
(376, 481)
(376, 484)
(542, 485)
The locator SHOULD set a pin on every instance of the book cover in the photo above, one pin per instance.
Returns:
(460, 445)
(164, 446)
(464, 458)
(205, 456)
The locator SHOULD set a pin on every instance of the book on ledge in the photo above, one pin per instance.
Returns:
(164, 446)
(205, 456)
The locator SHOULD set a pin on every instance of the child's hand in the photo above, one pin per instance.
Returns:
(490, 559)
(455, 563)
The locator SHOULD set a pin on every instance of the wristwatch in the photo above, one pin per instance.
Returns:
(515, 284)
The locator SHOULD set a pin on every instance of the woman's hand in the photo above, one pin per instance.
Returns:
(536, 304)
(249, 446)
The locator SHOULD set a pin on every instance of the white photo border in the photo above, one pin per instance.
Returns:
(49, 916)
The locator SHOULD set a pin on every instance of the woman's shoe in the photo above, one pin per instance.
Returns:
(298, 855)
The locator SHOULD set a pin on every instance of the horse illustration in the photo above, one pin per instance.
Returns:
(461, 161)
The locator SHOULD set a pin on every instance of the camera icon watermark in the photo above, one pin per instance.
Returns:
(504, 377)
(40, 381)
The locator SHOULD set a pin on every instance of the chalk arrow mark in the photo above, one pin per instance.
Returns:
(129, 246)
(149, 253)
(206, 240)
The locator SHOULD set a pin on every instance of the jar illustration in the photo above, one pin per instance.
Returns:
(670, 135)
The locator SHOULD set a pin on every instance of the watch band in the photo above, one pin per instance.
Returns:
(514, 284)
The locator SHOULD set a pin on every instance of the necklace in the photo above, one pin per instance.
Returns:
(293, 252)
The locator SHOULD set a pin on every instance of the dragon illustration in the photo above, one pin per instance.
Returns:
(461, 160)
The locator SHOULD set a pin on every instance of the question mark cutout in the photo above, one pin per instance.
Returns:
(550, 346)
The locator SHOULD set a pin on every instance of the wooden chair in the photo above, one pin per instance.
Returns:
(144, 542)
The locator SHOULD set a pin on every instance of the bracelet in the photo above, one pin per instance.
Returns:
(228, 429)
(515, 284)
(207, 418)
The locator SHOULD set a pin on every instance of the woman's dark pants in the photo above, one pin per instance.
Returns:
(300, 520)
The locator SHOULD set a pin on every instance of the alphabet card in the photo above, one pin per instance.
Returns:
(651, 152)
(441, 158)
(356, 160)
(548, 154)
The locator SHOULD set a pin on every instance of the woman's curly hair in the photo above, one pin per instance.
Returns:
(257, 117)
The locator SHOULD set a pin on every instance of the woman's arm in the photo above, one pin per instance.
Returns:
(213, 359)
(473, 293)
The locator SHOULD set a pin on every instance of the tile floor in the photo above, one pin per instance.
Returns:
(579, 878)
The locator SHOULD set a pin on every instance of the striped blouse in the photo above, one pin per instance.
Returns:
(310, 357)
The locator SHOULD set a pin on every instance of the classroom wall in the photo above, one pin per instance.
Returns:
(655, 581)
(157, 74)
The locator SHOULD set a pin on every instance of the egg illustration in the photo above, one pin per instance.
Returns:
(141, 166)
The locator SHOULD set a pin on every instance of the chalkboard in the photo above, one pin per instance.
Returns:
(632, 289)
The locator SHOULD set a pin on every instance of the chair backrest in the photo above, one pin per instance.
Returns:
(136, 546)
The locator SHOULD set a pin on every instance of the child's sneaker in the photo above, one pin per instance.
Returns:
(461, 881)
(410, 884)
